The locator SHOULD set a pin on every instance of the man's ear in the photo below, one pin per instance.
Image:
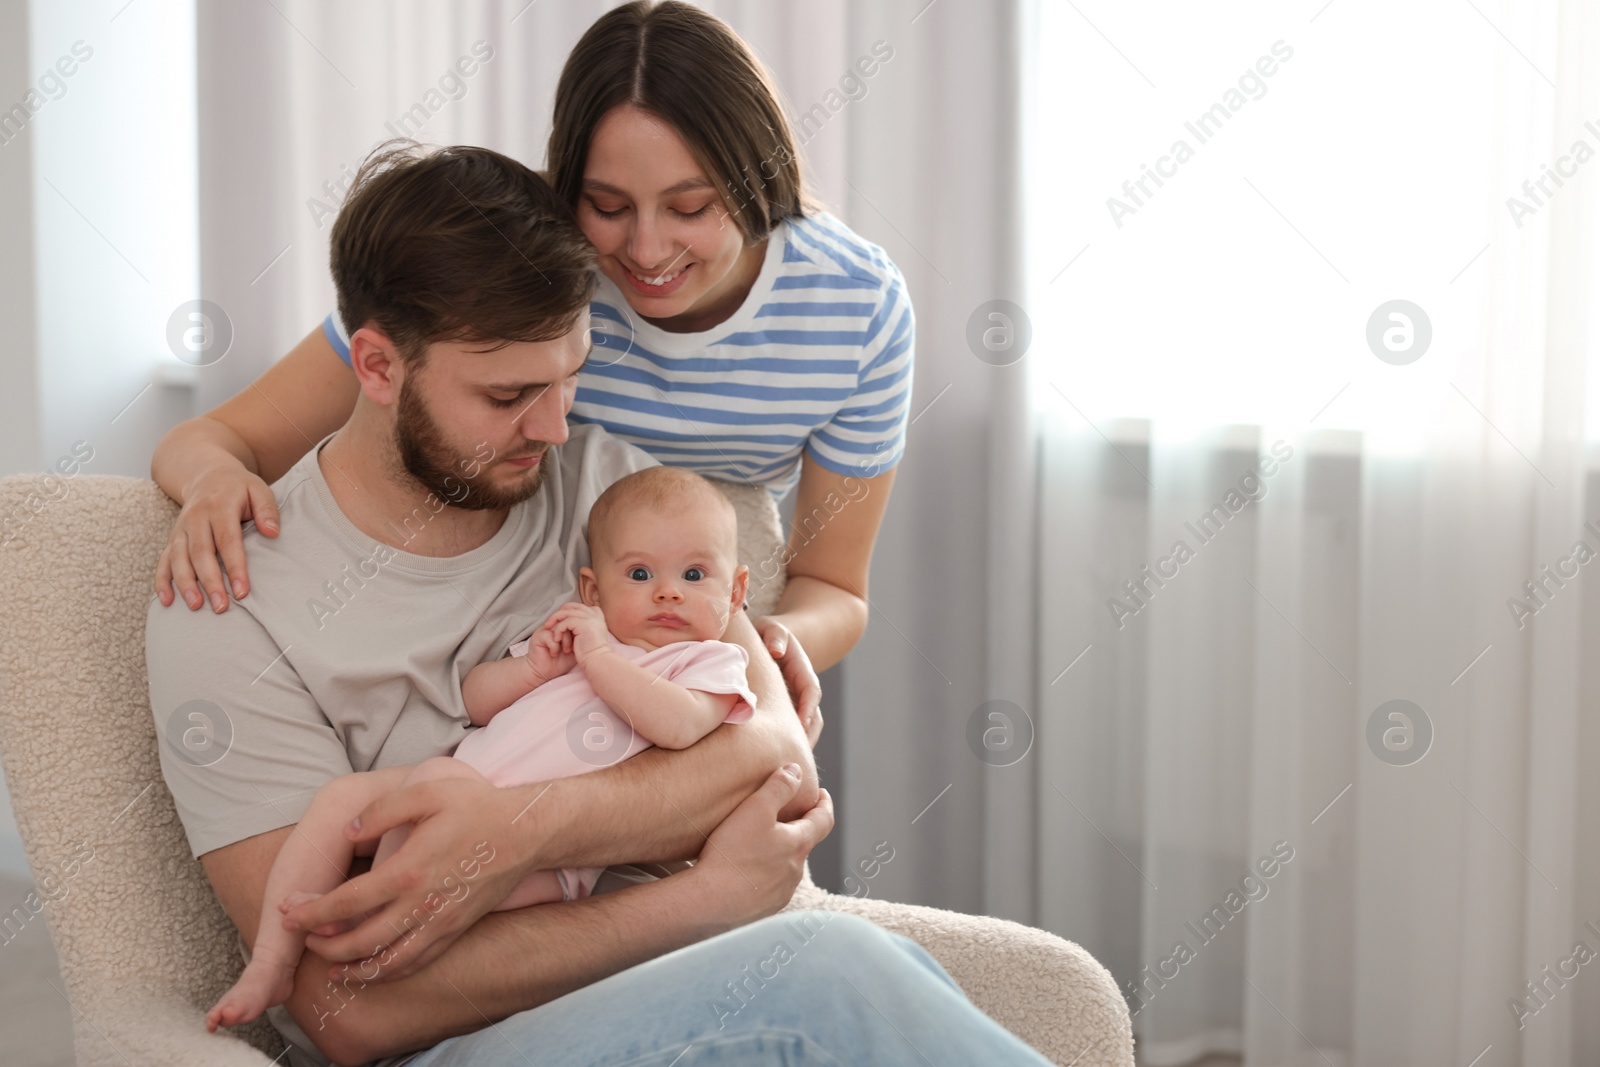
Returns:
(741, 586)
(588, 587)
(378, 365)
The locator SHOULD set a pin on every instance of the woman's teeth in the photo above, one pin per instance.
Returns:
(658, 280)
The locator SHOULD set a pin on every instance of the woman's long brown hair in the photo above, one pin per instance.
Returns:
(691, 70)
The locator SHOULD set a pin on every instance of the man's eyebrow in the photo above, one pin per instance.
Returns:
(522, 387)
(688, 185)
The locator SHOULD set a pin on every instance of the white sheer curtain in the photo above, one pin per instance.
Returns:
(1233, 702)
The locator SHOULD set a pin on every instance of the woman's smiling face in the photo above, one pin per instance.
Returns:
(661, 225)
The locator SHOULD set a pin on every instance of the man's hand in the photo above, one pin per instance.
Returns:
(580, 627)
(751, 863)
(805, 688)
(411, 908)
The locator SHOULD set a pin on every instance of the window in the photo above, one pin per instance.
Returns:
(1220, 198)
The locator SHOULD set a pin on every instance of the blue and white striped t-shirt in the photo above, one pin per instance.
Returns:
(817, 360)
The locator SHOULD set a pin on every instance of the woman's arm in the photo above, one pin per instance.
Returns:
(219, 466)
(824, 605)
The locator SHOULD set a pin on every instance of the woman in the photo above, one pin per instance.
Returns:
(738, 332)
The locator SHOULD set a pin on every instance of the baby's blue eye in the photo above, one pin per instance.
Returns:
(693, 574)
(639, 574)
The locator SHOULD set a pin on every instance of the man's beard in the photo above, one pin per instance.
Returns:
(430, 460)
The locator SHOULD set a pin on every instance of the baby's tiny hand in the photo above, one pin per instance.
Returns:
(582, 626)
(549, 656)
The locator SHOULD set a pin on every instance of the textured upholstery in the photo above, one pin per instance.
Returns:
(144, 946)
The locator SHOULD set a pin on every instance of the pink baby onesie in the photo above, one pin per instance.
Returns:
(563, 727)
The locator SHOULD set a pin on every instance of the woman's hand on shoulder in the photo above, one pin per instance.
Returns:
(805, 688)
(210, 524)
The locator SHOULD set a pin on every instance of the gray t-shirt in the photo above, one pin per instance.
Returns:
(348, 654)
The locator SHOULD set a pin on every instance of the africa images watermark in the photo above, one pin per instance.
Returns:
(1205, 126)
(451, 87)
(756, 975)
(803, 929)
(808, 526)
(1538, 191)
(1540, 992)
(51, 888)
(338, 591)
(52, 85)
(1252, 889)
(807, 124)
(1541, 589)
(452, 890)
(51, 488)
(1251, 488)
(867, 868)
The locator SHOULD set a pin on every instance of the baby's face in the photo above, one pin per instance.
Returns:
(667, 577)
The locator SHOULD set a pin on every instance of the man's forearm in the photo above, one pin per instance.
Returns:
(661, 804)
(507, 962)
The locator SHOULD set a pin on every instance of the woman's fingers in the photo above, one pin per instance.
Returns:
(798, 675)
(775, 635)
(263, 508)
(230, 545)
(813, 726)
(805, 685)
(183, 572)
(164, 591)
(203, 557)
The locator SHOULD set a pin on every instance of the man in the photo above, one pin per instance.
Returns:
(436, 528)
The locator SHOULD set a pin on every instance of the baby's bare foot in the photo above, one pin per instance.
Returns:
(262, 985)
(297, 898)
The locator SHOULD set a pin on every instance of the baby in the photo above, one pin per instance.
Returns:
(639, 659)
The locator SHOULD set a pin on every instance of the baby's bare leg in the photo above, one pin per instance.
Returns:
(314, 859)
(427, 771)
(539, 887)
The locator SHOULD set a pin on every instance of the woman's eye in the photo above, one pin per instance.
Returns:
(694, 214)
(639, 574)
(603, 213)
(693, 574)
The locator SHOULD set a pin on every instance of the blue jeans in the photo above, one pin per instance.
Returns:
(800, 987)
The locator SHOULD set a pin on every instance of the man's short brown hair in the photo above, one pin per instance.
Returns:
(457, 244)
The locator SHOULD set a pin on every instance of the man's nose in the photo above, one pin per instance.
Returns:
(546, 418)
